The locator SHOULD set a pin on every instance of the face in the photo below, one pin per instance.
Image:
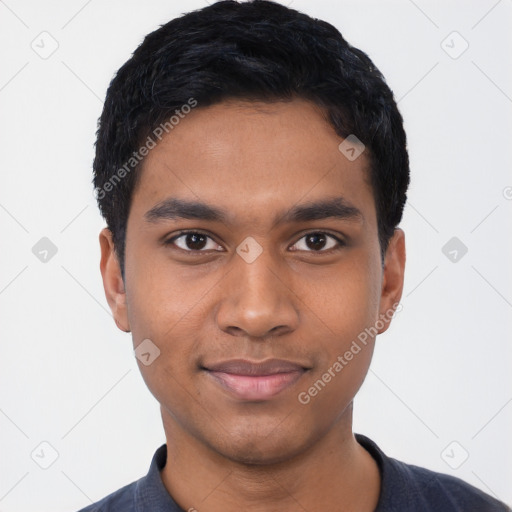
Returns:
(253, 266)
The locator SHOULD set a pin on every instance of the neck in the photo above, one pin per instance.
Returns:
(335, 473)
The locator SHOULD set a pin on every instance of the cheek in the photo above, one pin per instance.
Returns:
(345, 341)
(343, 311)
(326, 395)
(342, 300)
(166, 309)
(163, 297)
(169, 318)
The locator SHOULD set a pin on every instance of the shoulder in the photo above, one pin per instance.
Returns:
(409, 487)
(441, 492)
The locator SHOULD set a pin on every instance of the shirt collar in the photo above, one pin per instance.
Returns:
(151, 494)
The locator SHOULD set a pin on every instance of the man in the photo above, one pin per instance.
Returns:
(252, 169)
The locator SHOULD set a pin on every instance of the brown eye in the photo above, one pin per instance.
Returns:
(193, 242)
(317, 242)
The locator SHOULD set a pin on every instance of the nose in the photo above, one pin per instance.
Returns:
(257, 301)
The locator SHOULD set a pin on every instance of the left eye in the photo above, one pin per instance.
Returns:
(317, 242)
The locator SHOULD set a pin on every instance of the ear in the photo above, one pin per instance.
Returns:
(393, 278)
(112, 281)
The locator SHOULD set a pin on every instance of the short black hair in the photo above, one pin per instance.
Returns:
(255, 50)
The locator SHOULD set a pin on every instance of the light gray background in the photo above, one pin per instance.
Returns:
(68, 376)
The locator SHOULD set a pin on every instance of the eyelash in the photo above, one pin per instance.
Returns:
(340, 243)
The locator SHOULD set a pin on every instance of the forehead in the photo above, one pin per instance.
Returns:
(253, 156)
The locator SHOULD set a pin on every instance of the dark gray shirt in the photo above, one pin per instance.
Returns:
(404, 488)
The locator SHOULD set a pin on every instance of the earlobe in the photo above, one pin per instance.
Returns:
(113, 284)
(393, 278)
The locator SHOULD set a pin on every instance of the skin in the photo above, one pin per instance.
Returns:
(296, 301)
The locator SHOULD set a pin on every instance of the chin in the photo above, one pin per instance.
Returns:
(258, 455)
(262, 446)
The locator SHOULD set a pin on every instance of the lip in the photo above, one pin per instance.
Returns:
(255, 380)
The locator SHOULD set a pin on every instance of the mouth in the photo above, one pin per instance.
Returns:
(255, 381)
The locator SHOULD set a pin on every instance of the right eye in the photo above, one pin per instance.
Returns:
(193, 241)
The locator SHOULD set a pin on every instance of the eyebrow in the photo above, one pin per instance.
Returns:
(173, 208)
